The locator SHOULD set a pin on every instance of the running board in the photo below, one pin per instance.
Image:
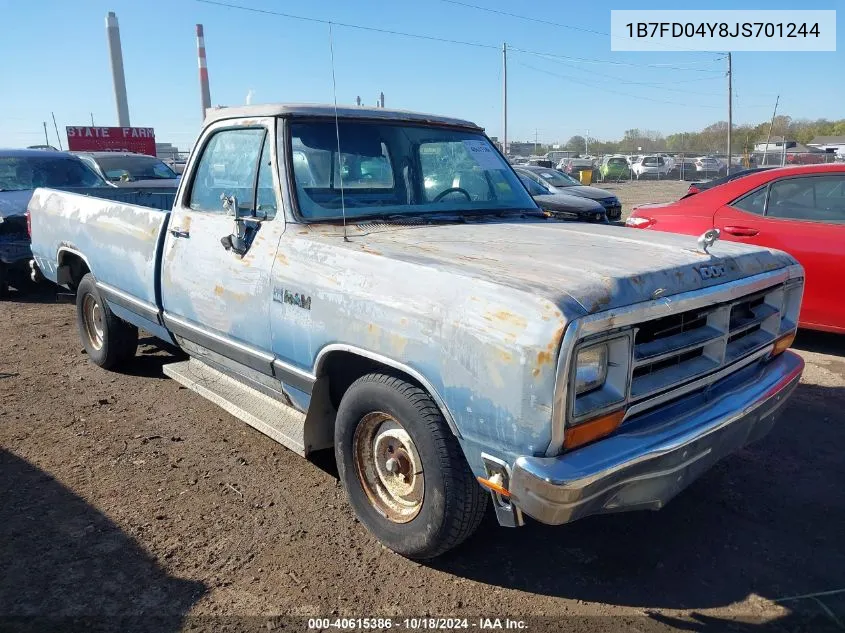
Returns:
(273, 418)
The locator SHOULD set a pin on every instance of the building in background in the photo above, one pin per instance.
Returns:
(826, 143)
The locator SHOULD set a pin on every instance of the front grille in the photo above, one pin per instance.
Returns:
(679, 348)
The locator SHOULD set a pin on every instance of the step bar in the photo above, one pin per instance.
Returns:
(264, 413)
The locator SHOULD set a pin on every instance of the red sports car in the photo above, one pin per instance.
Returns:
(800, 210)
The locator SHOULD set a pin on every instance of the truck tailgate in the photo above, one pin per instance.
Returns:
(120, 241)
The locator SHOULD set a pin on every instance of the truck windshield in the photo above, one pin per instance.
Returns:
(392, 169)
(19, 173)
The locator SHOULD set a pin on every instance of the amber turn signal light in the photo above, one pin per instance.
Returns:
(592, 430)
(495, 484)
(783, 343)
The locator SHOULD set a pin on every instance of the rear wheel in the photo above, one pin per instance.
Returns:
(108, 340)
(404, 472)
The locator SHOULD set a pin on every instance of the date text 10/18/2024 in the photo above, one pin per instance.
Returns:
(416, 624)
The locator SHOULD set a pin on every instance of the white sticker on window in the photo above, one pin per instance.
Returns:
(483, 154)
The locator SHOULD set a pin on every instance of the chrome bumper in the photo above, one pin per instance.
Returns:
(651, 459)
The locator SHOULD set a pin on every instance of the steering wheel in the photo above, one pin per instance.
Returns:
(446, 192)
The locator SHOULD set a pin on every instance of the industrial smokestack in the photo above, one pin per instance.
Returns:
(119, 79)
(205, 91)
(381, 99)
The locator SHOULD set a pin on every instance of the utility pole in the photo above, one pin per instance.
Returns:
(58, 138)
(46, 138)
(587, 144)
(769, 137)
(92, 119)
(730, 113)
(505, 98)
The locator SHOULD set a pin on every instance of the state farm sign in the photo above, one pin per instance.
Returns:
(140, 140)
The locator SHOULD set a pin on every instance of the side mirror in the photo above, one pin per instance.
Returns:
(237, 240)
(231, 206)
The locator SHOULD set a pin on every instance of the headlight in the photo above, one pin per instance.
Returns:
(599, 377)
(590, 368)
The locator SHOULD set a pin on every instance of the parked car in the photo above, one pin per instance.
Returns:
(559, 182)
(125, 169)
(177, 164)
(614, 168)
(650, 167)
(541, 162)
(709, 165)
(575, 165)
(703, 185)
(561, 205)
(21, 172)
(454, 345)
(684, 169)
(669, 160)
(800, 210)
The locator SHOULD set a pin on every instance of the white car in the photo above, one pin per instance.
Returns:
(650, 166)
(708, 164)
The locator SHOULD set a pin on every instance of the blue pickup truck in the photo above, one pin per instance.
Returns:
(380, 282)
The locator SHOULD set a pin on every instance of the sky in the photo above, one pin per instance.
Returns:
(56, 61)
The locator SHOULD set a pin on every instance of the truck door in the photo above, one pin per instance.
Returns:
(215, 273)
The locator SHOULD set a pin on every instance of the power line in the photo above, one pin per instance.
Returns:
(654, 85)
(444, 40)
(348, 25)
(571, 27)
(624, 94)
(613, 62)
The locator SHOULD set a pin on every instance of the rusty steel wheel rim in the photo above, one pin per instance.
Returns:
(389, 467)
(92, 319)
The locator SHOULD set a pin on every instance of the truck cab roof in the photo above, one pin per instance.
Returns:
(328, 111)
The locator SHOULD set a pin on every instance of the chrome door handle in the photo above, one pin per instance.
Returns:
(177, 232)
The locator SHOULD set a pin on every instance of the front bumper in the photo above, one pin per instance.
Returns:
(650, 460)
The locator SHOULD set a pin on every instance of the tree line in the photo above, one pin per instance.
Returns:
(712, 138)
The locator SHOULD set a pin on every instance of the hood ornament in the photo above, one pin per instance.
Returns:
(707, 239)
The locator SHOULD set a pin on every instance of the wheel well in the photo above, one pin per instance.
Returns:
(337, 373)
(75, 266)
(344, 368)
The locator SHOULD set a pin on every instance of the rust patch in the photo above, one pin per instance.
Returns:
(219, 290)
(282, 259)
(509, 317)
(505, 356)
(398, 343)
(535, 372)
(544, 357)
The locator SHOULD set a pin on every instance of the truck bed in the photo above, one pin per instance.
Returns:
(117, 232)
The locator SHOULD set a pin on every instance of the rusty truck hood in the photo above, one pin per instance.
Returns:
(578, 266)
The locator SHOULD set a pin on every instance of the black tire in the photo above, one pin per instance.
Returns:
(108, 340)
(453, 502)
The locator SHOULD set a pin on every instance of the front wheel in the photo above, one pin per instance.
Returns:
(108, 340)
(403, 470)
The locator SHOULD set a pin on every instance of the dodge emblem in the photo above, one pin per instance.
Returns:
(711, 272)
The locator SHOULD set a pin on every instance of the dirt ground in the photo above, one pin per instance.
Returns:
(127, 496)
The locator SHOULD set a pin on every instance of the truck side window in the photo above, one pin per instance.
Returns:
(228, 166)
